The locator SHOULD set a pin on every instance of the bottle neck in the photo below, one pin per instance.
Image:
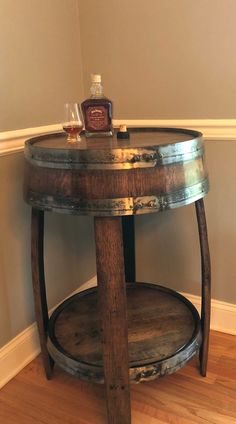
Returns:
(96, 90)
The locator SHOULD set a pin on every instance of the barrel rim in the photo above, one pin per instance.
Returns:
(196, 134)
(117, 157)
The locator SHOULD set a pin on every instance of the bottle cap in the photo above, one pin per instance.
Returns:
(122, 133)
(96, 77)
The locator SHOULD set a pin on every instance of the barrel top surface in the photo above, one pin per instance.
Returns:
(139, 137)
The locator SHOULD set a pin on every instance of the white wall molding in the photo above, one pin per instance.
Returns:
(20, 351)
(13, 141)
(212, 129)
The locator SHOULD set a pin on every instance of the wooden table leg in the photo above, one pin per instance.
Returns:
(40, 299)
(113, 316)
(129, 247)
(206, 284)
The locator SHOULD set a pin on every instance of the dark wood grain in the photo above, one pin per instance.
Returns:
(164, 332)
(166, 164)
(206, 284)
(112, 311)
(154, 170)
(75, 184)
(39, 290)
(129, 247)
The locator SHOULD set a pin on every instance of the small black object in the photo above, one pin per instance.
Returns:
(122, 133)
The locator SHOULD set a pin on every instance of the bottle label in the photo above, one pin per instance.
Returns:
(97, 118)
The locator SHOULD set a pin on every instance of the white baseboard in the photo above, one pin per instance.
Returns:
(223, 314)
(212, 129)
(20, 351)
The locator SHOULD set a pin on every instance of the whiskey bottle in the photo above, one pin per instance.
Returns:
(97, 111)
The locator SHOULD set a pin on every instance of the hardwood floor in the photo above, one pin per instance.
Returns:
(182, 398)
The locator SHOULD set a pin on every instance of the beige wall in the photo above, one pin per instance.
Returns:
(167, 243)
(162, 59)
(40, 70)
(40, 61)
(69, 256)
(173, 59)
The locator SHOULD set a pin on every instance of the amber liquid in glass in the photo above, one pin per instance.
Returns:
(73, 131)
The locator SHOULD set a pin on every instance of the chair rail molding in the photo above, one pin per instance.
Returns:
(212, 129)
(13, 141)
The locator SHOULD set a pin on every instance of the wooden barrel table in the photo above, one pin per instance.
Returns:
(121, 331)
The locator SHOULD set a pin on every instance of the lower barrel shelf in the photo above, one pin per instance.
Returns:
(164, 333)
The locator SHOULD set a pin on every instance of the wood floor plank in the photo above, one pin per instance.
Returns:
(181, 398)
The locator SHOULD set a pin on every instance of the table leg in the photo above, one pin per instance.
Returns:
(113, 316)
(129, 247)
(40, 299)
(206, 284)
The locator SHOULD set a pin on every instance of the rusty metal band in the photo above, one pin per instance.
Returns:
(139, 371)
(116, 159)
(120, 206)
(137, 374)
